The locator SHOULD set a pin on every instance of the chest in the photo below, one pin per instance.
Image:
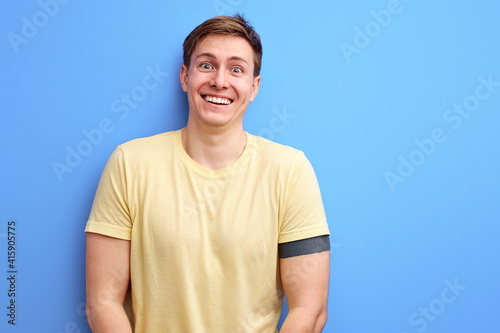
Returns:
(234, 213)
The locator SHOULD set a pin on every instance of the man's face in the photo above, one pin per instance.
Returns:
(220, 81)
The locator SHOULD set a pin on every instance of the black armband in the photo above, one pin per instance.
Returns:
(304, 246)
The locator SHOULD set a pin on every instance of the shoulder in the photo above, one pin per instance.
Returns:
(277, 154)
(140, 153)
(149, 142)
(147, 147)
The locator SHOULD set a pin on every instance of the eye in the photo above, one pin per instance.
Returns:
(206, 66)
(237, 70)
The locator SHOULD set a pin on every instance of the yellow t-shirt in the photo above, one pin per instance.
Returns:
(204, 243)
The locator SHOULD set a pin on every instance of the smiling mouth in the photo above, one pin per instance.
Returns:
(217, 100)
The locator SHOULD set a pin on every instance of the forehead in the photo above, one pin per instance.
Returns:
(223, 47)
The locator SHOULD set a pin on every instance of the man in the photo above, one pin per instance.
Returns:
(209, 224)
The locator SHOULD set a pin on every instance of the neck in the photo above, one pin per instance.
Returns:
(213, 148)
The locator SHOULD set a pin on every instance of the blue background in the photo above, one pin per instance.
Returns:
(364, 84)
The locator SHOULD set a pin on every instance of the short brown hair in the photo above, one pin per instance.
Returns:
(225, 25)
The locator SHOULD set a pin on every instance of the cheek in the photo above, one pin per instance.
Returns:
(245, 88)
(197, 80)
(192, 85)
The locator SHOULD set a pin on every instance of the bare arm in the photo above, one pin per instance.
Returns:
(305, 281)
(107, 279)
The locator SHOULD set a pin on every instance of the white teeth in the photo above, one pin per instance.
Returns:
(217, 100)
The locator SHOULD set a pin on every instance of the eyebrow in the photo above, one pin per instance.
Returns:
(210, 55)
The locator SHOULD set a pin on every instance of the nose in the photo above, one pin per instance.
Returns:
(219, 79)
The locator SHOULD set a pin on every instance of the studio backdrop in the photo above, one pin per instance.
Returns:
(396, 103)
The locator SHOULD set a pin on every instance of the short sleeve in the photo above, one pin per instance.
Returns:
(304, 215)
(110, 214)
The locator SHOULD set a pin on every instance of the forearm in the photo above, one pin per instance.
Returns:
(302, 320)
(108, 318)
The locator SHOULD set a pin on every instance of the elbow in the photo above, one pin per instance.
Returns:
(95, 312)
(89, 311)
(321, 320)
(306, 320)
(92, 309)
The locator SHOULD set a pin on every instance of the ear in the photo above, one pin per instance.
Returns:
(184, 77)
(255, 87)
